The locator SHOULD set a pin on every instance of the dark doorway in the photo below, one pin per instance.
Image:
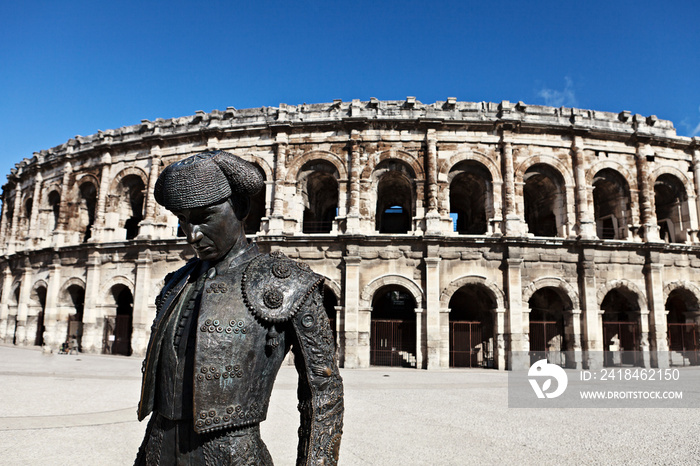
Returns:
(75, 320)
(620, 328)
(123, 321)
(547, 328)
(41, 299)
(393, 330)
(471, 328)
(682, 329)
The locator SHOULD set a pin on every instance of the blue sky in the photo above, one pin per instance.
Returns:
(76, 67)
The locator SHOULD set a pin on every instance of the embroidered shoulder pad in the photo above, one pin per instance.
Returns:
(274, 286)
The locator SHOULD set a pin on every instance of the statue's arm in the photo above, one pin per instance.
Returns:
(320, 389)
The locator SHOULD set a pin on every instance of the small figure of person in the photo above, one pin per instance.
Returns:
(65, 346)
(74, 345)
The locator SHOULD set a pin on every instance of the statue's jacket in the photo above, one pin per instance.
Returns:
(249, 316)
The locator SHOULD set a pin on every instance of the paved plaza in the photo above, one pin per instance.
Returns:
(81, 410)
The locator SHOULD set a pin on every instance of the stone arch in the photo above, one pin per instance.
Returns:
(622, 283)
(126, 172)
(673, 171)
(553, 162)
(613, 165)
(405, 157)
(564, 288)
(38, 284)
(116, 280)
(334, 287)
(682, 285)
(444, 168)
(63, 296)
(390, 279)
(330, 157)
(493, 289)
(260, 162)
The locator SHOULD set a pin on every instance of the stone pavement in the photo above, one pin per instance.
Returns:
(81, 410)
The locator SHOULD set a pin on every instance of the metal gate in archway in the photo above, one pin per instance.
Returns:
(469, 347)
(393, 343)
(620, 343)
(544, 343)
(683, 339)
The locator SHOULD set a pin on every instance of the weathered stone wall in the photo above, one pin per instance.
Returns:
(528, 213)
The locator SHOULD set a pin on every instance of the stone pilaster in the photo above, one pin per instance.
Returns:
(33, 233)
(353, 218)
(352, 311)
(56, 329)
(144, 303)
(420, 325)
(100, 211)
(4, 300)
(512, 221)
(518, 336)
(92, 318)
(646, 195)
(146, 226)
(23, 304)
(499, 344)
(12, 242)
(658, 344)
(277, 217)
(432, 311)
(585, 222)
(62, 224)
(695, 209)
(591, 332)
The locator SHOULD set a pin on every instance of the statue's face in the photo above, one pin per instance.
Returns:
(212, 230)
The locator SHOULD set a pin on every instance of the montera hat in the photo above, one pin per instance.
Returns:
(204, 179)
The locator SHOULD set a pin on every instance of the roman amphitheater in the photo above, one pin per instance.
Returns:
(452, 234)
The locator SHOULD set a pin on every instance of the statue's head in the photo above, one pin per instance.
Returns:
(210, 194)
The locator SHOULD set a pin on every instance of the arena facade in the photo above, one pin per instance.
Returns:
(449, 234)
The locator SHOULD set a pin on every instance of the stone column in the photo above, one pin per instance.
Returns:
(518, 337)
(277, 217)
(36, 204)
(512, 220)
(445, 337)
(575, 349)
(657, 312)
(54, 332)
(61, 231)
(4, 300)
(585, 222)
(353, 218)
(144, 303)
(352, 308)
(146, 226)
(432, 217)
(499, 344)
(23, 304)
(644, 343)
(4, 240)
(15, 221)
(432, 311)
(419, 337)
(646, 195)
(92, 318)
(99, 227)
(695, 209)
(592, 325)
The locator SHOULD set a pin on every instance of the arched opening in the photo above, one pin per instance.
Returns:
(24, 223)
(682, 307)
(671, 202)
(621, 335)
(470, 198)
(131, 204)
(118, 328)
(257, 208)
(76, 296)
(548, 336)
(611, 204)
(54, 201)
(329, 304)
(35, 319)
(12, 317)
(545, 206)
(472, 327)
(86, 209)
(394, 198)
(319, 192)
(393, 329)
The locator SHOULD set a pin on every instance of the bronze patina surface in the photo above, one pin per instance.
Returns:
(224, 324)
